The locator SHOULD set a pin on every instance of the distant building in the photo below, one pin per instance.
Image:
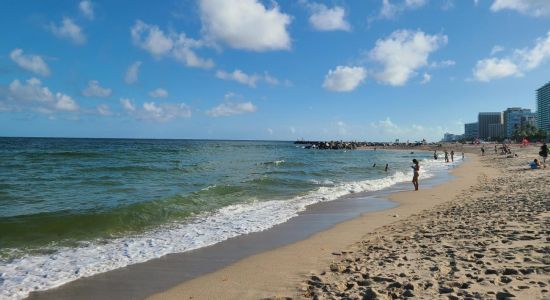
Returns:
(543, 107)
(471, 131)
(515, 117)
(529, 119)
(496, 131)
(484, 119)
(449, 137)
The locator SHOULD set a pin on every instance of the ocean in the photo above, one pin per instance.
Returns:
(71, 208)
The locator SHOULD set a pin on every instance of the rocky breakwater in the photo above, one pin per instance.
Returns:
(492, 242)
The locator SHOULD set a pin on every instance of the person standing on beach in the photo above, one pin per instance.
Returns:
(482, 150)
(416, 169)
(496, 151)
(446, 156)
(435, 154)
(544, 152)
(452, 155)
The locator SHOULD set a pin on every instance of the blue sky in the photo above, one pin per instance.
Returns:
(281, 70)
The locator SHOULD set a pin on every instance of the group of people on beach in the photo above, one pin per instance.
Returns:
(535, 164)
(505, 149)
(446, 153)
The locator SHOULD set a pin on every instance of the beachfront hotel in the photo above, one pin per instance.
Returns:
(543, 107)
(485, 119)
(471, 130)
(516, 117)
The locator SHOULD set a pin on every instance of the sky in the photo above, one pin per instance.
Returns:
(375, 70)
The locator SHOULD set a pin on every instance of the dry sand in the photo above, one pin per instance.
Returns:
(483, 234)
(492, 242)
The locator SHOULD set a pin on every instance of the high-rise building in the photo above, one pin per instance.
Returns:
(543, 107)
(486, 118)
(496, 131)
(471, 131)
(515, 117)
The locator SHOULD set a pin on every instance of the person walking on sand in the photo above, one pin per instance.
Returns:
(544, 152)
(416, 169)
(452, 155)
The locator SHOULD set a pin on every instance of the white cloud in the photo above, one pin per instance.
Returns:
(537, 8)
(496, 49)
(86, 7)
(494, 68)
(327, 19)
(158, 93)
(68, 30)
(426, 78)
(65, 102)
(175, 45)
(248, 79)
(183, 53)
(389, 130)
(165, 112)
(448, 5)
(132, 73)
(390, 10)
(531, 58)
(127, 104)
(388, 126)
(344, 79)
(238, 76)
(95, 90)
(402, 53)
(152, 111)
(415, 3)
(521, 61)
(151, 38)
(270, 79)
(33, 63)
(31, 95)
(245, 24)
(443, 64)
(104, 110)
(231, 108)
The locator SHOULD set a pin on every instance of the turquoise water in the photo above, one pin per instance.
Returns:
(62, 197)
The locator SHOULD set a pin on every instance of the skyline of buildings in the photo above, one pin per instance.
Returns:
(500, 125)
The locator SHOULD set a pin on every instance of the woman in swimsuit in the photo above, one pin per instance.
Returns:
(416, 169)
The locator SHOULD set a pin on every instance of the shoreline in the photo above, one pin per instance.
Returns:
(195, 263)
(276, 272)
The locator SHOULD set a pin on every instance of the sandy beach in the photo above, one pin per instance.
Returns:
(481, 235)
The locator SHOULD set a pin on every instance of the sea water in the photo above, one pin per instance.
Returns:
(71, 208)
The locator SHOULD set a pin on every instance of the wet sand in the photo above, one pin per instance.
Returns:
(285, 271)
